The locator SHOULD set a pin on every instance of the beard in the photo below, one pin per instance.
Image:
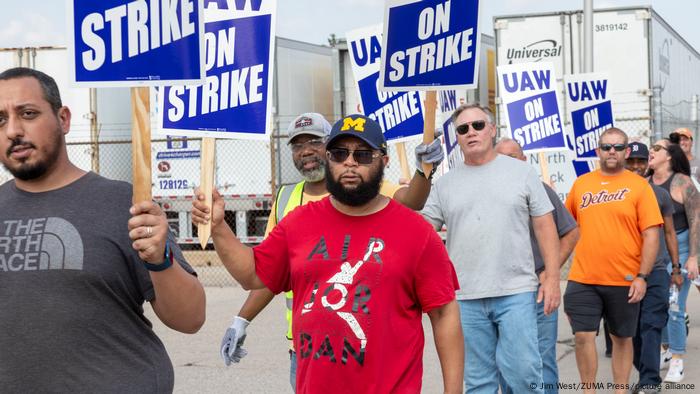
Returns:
(360, 195)
(313, 175)
(27, 171)
(619, 166)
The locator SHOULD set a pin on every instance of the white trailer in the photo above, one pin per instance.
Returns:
(654, 73)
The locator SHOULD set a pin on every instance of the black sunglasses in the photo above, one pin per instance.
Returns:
(617, 147)
(361, 156)
(477, 125)
(657, 148)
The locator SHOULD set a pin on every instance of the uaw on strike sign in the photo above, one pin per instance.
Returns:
(399, 113)
(529, 95)
(430, 44)
(121, 43)
(590, 111)
(235, 99)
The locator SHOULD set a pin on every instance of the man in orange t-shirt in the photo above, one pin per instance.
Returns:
(618, 218)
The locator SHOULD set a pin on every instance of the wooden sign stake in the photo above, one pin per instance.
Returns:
(545, 169)
(429, 107)
(403, 161)
(141, 144)
(206, 180)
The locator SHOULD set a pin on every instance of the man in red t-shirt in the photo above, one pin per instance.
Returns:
(363, 269)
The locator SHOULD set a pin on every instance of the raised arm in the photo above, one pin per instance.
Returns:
(236, 257)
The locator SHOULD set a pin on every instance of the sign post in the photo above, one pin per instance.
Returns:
(430, 45)
(132, 44)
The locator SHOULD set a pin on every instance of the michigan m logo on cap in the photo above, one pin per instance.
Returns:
(356, 124)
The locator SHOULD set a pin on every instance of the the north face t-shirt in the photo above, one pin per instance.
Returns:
(361, 284)
(72, 290)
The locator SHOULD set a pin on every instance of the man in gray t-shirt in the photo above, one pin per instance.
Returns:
(77, 262)
(653, 312)
(567, 230)
(683, 136)
(487, 204)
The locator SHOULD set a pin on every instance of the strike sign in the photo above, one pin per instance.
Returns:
(590, 111)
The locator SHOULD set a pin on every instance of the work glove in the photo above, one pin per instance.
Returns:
(432, 153)
(231, 350)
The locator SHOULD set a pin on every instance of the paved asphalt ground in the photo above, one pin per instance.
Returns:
(199, 369)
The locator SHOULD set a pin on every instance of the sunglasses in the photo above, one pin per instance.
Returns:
(316, 144)
(477, 125)
(361, 156)
(617, 147)
(657, 148)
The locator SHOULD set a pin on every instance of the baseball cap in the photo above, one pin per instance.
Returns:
(309, 123)
(683, 131)
(359, 126)
(638, 151)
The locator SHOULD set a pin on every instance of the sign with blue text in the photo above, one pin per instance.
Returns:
(590, 111)
(120, 43)
(235, 101)
(529, 96)
(448, 101)
(399, 113)
(430, 45)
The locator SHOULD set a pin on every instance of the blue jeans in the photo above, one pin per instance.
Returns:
(500, 334)
(547, 343)
(653, 315)
(293, 370)
(674, 334)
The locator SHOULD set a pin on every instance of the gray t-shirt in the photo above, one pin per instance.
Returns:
(562, 218)
(72, 291)
(666, 207)
(487, 212)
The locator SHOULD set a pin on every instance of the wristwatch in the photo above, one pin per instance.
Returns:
(643, 276)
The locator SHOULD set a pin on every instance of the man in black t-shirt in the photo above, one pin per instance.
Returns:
(77, 262)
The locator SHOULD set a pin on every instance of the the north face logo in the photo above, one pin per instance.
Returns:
(40, 244)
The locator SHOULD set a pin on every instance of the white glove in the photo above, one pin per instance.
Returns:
(432, 153)
(231, 350)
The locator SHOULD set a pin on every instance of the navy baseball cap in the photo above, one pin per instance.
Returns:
(638, 151)
(359, 126)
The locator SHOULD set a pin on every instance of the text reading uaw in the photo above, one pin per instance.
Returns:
(148, 25)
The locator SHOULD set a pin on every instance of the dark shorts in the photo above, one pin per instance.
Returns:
(586, 304)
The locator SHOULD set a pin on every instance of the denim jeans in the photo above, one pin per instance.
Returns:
(674, 334)
(293, 370)
(500, 335)
(547, 343)
(653, 315)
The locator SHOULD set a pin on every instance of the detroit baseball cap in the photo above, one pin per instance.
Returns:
(309, 123)
(683, 131)
(361, 127)
(638, 151)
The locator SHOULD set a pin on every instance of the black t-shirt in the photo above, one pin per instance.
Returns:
(72, 291)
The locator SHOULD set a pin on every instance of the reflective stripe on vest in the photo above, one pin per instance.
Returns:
(288, 198)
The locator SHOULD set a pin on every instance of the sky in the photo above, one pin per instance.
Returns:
(43, 22)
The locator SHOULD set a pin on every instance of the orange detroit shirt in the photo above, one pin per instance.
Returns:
(612, 212)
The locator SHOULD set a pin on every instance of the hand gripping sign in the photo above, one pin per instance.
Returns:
(590, 111)
(528, 93)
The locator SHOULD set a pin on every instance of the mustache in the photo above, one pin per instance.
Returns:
(19, 142)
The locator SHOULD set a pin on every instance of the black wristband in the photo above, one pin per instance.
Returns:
(167, 261)
(421, 173)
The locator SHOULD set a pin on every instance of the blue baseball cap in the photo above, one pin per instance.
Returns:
(359, 126)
